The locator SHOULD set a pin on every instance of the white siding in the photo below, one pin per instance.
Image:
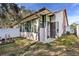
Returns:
(42, 32)
(77, 31)
(30, 35)
(59, 18)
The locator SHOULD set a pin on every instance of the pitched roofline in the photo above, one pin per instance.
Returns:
(65, 14)
(59, 10)
(40, 10)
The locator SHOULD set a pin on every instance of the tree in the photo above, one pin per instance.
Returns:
(7, 12)
(10, 14)
(73, 25)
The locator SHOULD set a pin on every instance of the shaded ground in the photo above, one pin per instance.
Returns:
(16, 48)
(64, 46)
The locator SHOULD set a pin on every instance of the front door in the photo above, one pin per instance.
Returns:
(52, 29)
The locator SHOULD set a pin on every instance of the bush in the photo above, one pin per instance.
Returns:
(68, 33)
(48, 45)
(67, 40)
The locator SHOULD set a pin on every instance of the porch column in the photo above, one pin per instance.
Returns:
(46, 29)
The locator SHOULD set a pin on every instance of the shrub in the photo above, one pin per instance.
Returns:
(68, 33)
(48, 45)
(67, 40)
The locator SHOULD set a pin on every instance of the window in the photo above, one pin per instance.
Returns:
(43, 21)
(28, 26)
(34, 26)
(31, 26)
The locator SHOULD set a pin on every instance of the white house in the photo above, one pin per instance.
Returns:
(77, 31)
(70, 30)
(43, 25)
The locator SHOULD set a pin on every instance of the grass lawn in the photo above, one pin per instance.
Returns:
(65, 45)
(16, 48)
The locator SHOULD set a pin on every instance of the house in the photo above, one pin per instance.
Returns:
(77, 31)
(70, 30)
(43, 25)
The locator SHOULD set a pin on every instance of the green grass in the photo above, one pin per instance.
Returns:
(23, 46)
(14, 48)
(67, 40)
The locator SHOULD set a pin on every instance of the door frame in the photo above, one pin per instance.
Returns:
(52, 29)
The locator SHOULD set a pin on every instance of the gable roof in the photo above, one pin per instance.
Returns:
(41, 12)
(64, 10)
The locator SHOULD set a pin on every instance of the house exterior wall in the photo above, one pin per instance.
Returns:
(59, 18)
(45, 32)
(30, 35)
(47, 20)
(41, 30)
(77, 31)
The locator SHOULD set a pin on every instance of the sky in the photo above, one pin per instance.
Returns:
(72, 9)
